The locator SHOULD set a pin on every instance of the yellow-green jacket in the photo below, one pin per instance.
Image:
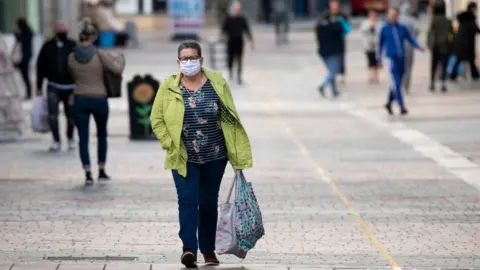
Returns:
(167, 124)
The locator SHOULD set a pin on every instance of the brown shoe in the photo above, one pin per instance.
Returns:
(211, 259)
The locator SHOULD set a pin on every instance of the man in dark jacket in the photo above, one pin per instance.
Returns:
(334, 13)
(329, 34)
(52, 65)
(465, 43)
(440, 39)
(234, 28)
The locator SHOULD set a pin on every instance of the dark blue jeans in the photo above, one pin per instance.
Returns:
(198, 204)
(82, 108)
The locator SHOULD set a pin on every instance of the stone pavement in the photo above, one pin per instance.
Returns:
(341, 185)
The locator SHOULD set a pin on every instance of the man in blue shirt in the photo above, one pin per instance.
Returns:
(392, 38)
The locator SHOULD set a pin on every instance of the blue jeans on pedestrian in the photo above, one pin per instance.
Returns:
(333, 64)
(82, 108)
(397, 72)
(198, 204)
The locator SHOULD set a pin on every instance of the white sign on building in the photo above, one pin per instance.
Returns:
(185, 17)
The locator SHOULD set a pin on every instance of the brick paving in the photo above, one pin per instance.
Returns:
(416, 211)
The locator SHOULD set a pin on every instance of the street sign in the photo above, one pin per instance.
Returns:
(185, 17)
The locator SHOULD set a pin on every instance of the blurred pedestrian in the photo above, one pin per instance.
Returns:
(281, 20)
(24, 40)
(370, 30)
(392, 38)
(465, 40)
(335, 13)
(440, 39)
(234, 28)
(409, 18)
(90, 96)
(52, 64)
(195, 120)
(329, 33)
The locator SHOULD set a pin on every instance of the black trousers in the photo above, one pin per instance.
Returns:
(54, 97)
(438, 58)
(235, 54)
(473, 69)
(24, 68)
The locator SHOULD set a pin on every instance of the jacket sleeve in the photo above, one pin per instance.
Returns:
(41, 67)
(157, 120)
(113, 62)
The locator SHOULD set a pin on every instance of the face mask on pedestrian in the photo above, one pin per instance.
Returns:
(190, 67)
(62, 36)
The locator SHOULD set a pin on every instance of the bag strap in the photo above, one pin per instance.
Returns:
(237, 176)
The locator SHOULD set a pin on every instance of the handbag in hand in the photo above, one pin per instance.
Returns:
(112, 81)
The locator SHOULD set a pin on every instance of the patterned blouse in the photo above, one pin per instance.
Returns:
(202, 133)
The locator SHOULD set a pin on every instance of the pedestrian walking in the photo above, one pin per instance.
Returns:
(465, 41)
(335, 13)
(329, 34)
(87, 65)
(195, 120)
(440, 39)
(282, 22)
(52, 64)
(370, 30)
(392, 38)
(409, 18)
(234, 28)
(24, 41)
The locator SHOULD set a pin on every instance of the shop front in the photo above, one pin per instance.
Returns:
(10, 11)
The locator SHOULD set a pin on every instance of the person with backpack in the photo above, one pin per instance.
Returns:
(439, 41)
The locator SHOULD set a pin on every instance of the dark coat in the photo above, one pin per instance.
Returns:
(329, 38)
(465, 38)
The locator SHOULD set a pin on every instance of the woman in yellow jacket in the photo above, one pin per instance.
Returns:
(196, 122)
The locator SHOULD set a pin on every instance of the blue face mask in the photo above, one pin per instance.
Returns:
(190, 67)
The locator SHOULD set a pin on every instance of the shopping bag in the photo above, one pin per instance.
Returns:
(240, 224)
(39, 115)
(226, 239)
(249, 223)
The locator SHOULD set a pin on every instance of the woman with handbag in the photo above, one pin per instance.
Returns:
(195, 120)
(89, 68)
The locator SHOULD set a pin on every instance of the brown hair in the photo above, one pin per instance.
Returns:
(190, 44)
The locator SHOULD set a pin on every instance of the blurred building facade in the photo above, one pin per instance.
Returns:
(40, 14)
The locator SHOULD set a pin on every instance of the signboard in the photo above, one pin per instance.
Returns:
(126, 6)
(185, 17)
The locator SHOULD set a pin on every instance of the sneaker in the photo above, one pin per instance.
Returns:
(55, 147)
(321, 90)
(444, 88)
(432, 88)
(388, 107)
(189, 259)
(211, 259)
(403, 111)
(71, 145)
(88, 179)
(102, 176)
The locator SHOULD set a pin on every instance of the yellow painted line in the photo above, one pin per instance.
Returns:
(323, 176)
